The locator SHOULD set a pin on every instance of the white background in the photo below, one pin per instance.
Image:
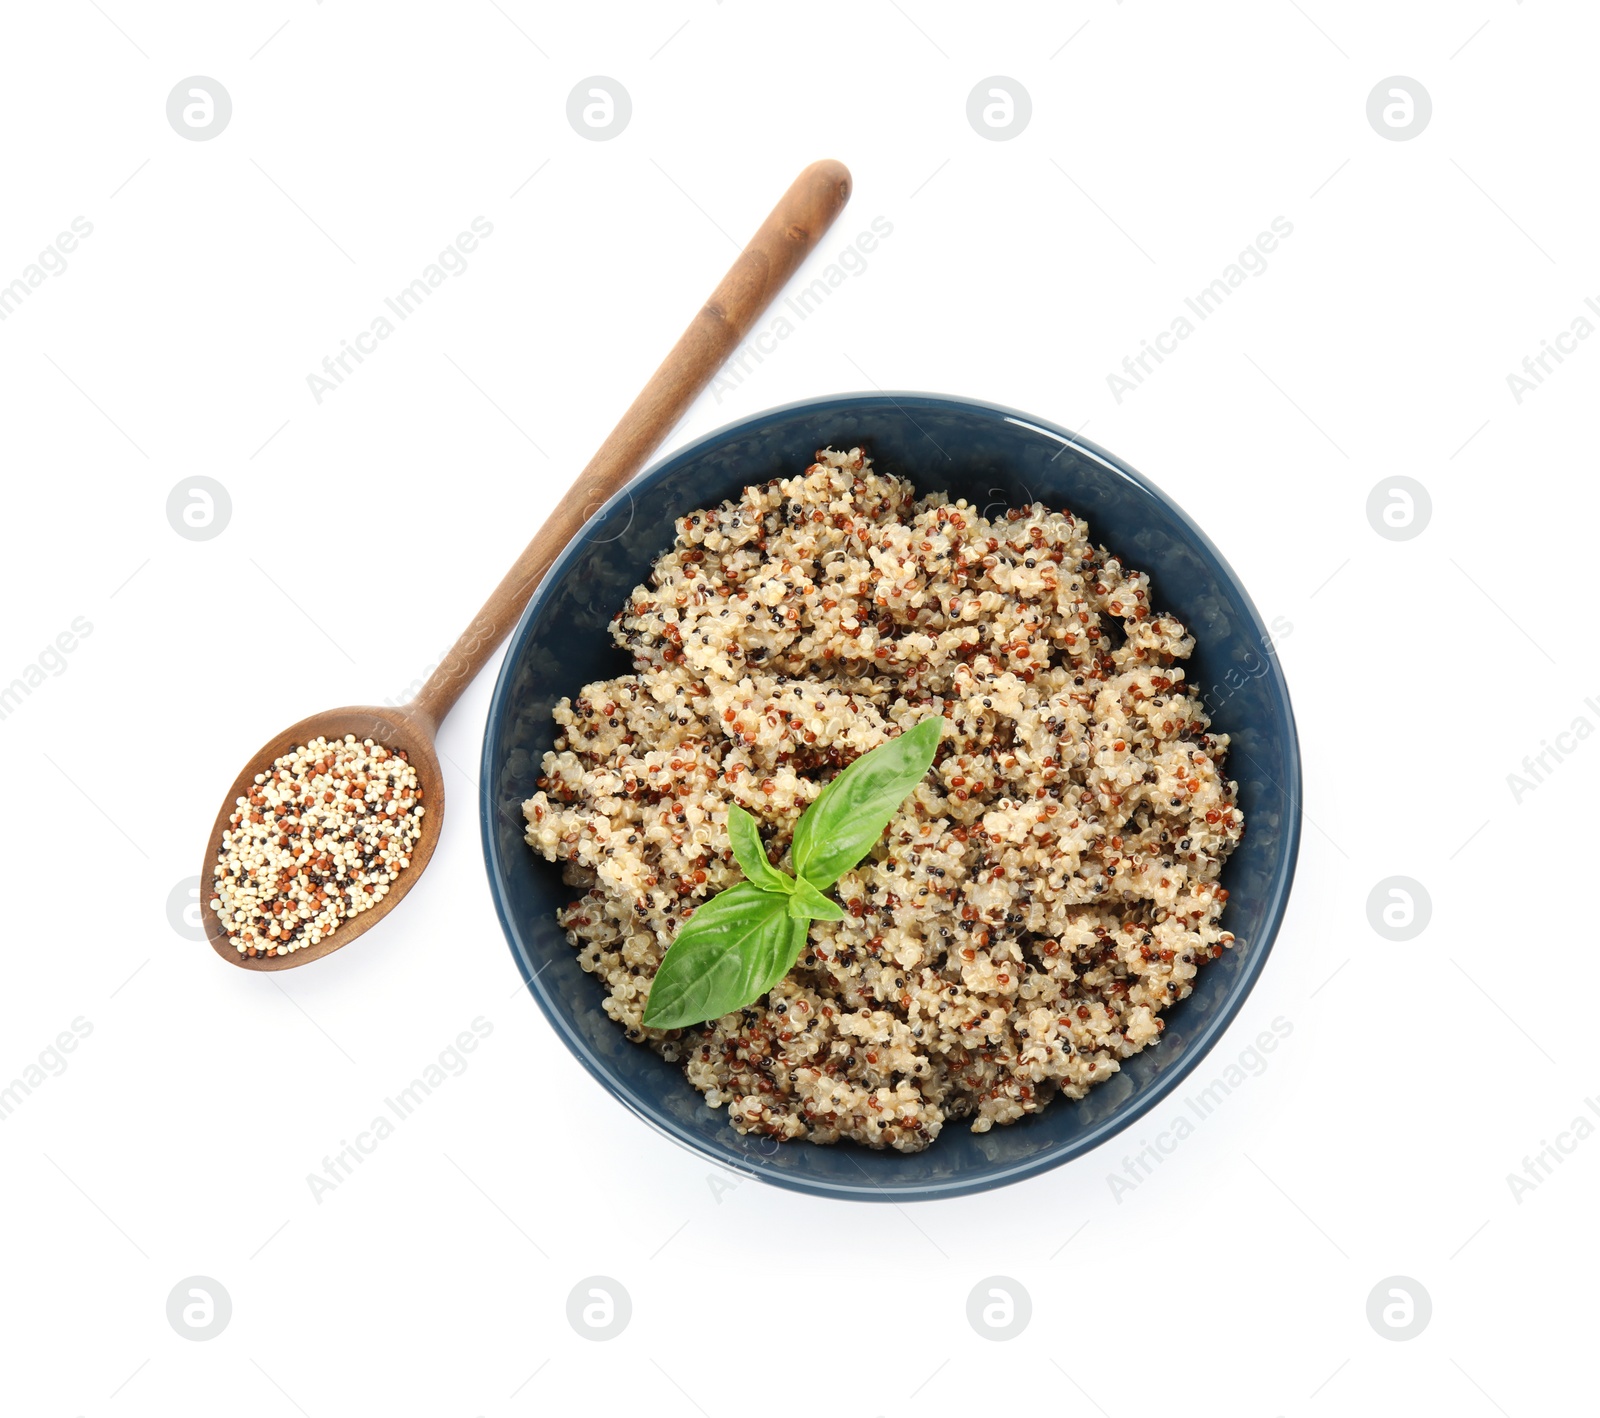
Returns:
(1164, 137)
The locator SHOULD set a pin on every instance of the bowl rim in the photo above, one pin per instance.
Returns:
(869, 1190)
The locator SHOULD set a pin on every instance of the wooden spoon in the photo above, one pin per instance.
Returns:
(794, 227)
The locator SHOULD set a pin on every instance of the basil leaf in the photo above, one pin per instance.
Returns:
(744, 940)
(798, 931)
(849, 815)
(751, 855)
(808, 904)
(730, 952)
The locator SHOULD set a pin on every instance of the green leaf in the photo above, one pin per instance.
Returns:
(744, 940)
(809, 904)
(798, 931)
(730, 952)
(849, 815)
(751, 855)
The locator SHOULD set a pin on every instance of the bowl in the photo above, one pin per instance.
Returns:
(995, 458)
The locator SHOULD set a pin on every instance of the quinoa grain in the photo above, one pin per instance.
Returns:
(320, 837)
(1024, 920)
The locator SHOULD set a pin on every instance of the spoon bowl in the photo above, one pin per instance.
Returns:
(402, 730)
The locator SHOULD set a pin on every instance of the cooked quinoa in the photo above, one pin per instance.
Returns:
(1045, 893)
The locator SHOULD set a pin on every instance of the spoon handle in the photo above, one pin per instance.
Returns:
(787, 236)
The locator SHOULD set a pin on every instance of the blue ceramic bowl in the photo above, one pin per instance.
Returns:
(993, 457)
